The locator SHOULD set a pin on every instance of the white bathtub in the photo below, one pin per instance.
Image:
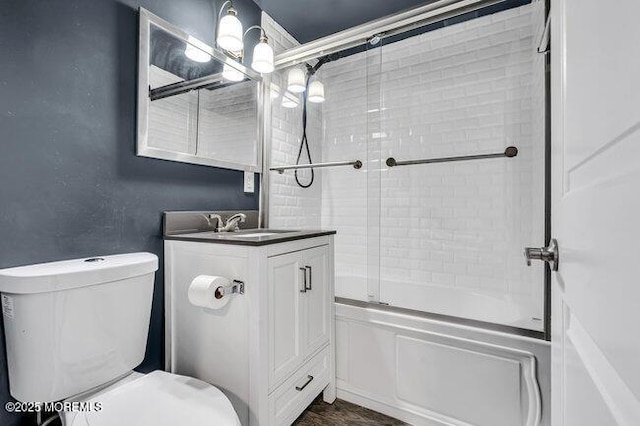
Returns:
(502, 309)
(432, 372)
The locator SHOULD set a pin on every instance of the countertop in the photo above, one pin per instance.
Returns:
(272, 236)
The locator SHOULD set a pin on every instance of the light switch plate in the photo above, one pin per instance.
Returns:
(248, 182)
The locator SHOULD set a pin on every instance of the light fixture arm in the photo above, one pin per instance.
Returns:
(227, 2)
(263, 33)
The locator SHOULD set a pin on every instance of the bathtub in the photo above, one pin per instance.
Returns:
(502, 309)
(427, 371)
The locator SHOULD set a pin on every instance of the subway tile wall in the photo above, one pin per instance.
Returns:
(227, 120)
(291, 206)
(173, 120)
(218, 123)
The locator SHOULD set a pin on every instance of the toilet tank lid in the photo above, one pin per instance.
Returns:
(68, 274)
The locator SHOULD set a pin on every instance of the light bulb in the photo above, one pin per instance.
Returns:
(289, 100)
(230, 32)
(316, 92)
(296, 80)
(195, 50)
(231, 74)
(262, 57)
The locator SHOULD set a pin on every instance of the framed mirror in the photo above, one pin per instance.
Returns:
(195, 104)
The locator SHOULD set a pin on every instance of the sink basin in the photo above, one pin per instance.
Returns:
(254, 234)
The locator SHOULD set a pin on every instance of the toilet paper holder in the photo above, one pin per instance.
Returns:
(236, 288)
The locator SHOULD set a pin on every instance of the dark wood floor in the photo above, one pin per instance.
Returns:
(342, 413)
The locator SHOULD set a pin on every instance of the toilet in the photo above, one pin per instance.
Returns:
(76, 329)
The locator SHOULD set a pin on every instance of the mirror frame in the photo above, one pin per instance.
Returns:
(143, 149)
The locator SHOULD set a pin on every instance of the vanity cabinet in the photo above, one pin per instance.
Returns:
(271, 349)
(299, 306)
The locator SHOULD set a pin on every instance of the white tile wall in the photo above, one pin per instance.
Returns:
(227, 120)
(219, 123)
(173, 120)
(291, 206)
(474, 87)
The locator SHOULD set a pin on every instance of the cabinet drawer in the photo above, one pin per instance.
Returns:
(290, 399)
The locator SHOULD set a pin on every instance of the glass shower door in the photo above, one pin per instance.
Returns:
(451, 234)
(349, 196)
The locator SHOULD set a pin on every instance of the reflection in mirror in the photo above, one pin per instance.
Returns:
(199, 107)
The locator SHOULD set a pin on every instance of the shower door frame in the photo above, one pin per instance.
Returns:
(387, 26)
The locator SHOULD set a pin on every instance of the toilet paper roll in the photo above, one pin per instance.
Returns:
(205, 291)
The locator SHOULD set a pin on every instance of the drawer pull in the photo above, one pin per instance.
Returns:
(308, 268)
(309, 379)
(304, 278)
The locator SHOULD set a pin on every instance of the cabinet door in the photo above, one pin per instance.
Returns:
(316, 299)
(285, 316)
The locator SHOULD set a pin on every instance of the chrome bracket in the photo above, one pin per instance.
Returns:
(236, 288)
(546, 254)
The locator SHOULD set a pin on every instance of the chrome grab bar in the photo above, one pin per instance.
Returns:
(357, 164)
(510, 151)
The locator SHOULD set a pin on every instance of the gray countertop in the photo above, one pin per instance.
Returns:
(248, 237)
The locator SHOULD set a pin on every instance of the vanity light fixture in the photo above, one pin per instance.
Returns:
(196, 50)
(229, 36)
(231, 74)
(289, 100)
(316, 92)
(296, 80)
(262, 61)
(229, 29)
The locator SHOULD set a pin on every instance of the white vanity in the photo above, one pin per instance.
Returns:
(270, 349)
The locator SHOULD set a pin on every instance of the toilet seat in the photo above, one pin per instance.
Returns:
(156, 399)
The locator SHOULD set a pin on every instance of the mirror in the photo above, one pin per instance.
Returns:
(195, 104)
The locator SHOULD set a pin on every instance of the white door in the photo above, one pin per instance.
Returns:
(596, 212)
(285, 315)
(316, 299)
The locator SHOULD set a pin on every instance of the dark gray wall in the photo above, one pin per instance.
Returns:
(70, 183)
(308, 20)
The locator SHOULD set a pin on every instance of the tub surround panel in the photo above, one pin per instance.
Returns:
(434, 373)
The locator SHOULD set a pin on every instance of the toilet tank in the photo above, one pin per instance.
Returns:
(73, 325)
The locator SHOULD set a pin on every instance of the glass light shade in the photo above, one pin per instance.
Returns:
(289, 100)
(316, 92)
(262, 58)
(296, 81)
(230, 33)
(275, 92)
(195, 50)
(231, 74)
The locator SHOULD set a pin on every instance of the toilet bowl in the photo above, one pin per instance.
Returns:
(74, 332)
(155, 399)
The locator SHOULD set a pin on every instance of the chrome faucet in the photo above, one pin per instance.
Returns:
(232, 223)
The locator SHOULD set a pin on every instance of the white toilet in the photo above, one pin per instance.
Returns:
(75, 330)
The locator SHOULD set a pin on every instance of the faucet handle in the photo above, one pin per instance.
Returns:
(219, 223)
(232, 221)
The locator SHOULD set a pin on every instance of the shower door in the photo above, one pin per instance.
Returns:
(443, 238)
(451, 234)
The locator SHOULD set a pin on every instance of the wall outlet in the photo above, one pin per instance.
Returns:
(248, 182)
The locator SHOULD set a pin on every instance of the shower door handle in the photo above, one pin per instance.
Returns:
(546, 254)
